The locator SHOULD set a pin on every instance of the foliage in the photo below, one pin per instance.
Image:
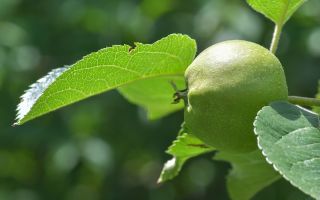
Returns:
(289, 137)
(104, 148)
(110, 68)
(185, 147)
(277, 11)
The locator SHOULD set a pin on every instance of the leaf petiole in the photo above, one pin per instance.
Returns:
(304, 101)
(276, 37)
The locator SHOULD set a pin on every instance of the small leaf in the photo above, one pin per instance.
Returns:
(155, 95)
(107, 69)
(317, 108)
(250, 173)
(279, 11)
(289, 137)
(185, 147)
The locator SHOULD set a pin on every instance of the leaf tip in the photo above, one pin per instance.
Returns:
(160, 180)
(31, 95)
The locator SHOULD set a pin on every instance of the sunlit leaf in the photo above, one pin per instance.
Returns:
(279, 11)
(107, 69)
(289, 137)
(185, 147)
(155, 95)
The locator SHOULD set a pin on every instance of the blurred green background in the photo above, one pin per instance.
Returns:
(104, 147)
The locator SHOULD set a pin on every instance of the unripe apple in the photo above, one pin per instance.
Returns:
(228, 83)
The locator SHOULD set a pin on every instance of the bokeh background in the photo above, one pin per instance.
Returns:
(104, 147)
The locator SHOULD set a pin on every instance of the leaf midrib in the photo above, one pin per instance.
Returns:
(26, 117)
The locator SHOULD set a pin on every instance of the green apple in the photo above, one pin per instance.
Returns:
(228, 83)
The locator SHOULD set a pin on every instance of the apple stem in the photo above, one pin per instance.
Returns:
(276, 38)
(304, 101)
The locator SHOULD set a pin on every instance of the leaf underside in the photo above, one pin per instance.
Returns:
(289, 137)
(30, 97)
(156, 100)
(279, 11)
(249, 171)
(110, 68)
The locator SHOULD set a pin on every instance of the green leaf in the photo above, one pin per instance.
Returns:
(316, 108)
(250, 173)
(289, 137)
(154, 95)
(107, 69)
(279, 11)
(185, 147)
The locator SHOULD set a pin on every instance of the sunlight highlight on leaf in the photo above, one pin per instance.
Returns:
(36, 90)
(279, 11)
(317, 108)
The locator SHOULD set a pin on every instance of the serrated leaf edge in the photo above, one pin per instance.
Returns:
(31, 95)
(265, 154)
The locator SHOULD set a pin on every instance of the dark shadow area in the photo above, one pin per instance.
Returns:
(293, 112)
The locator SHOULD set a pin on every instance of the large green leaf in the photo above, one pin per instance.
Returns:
(279, 11)
(289, 137)
(110, 68)
(185, 147)
(250, 173)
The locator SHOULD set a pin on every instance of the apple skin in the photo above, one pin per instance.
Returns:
(228, 83)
